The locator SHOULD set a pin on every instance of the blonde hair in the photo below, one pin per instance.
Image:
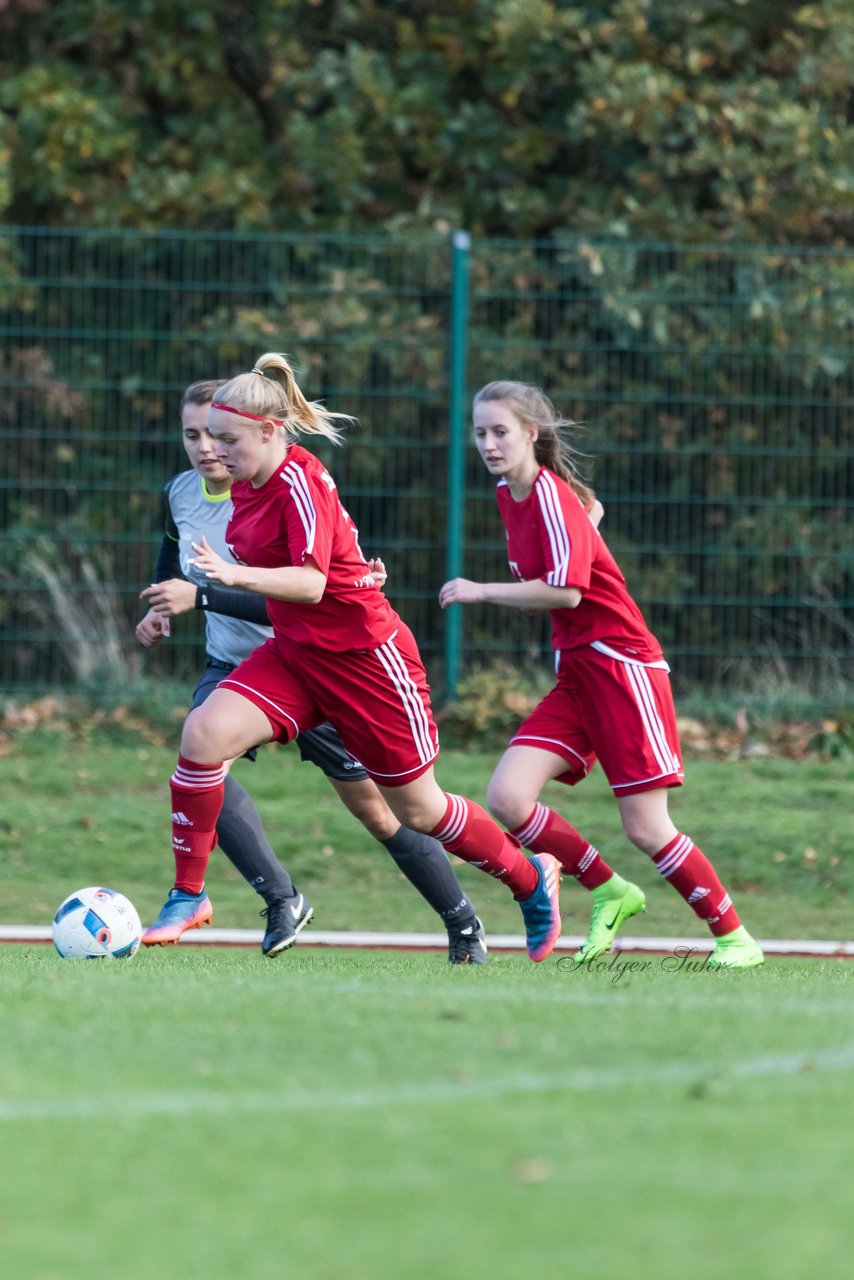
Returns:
(552, 447)
(280, 397)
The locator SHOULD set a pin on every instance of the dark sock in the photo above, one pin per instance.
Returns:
(425, 864)
(242, 840)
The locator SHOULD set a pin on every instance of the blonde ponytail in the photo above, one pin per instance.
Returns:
(280, 398)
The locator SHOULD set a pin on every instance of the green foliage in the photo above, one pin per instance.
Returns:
(521, 118)
(491, 702)
(835, 739)
(714, 384)
(633, 151)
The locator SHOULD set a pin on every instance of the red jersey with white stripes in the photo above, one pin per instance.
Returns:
(296, 514)
(551, 537)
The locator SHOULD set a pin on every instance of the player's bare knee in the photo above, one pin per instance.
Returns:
(505, 806)
(198, 738)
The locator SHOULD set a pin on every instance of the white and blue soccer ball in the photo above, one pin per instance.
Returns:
(97, 923)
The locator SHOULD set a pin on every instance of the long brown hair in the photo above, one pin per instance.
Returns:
(280, 397)
(552, 447)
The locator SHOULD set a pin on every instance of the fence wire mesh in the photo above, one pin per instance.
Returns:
(714, 384)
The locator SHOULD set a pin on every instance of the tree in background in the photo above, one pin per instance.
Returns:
(630, 154)
(635, 118)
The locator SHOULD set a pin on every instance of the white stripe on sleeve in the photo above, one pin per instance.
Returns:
(304, 502)
(558, 534)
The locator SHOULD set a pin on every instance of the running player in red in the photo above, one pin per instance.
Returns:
(338, 653)
(612, 699)
(198, 501)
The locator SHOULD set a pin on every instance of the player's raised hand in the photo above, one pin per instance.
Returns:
(460, 591)
(213, 566)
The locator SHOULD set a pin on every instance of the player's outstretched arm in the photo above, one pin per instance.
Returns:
(300, 584)
(154, 627)
(533, 595)
(232, 602)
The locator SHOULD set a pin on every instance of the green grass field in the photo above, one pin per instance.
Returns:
(75, 813)
(376, 1116)
(350, 1117)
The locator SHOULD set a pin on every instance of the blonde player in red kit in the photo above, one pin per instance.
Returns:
(338, 652)
(612, 699)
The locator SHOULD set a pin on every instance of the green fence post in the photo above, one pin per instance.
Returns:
(460, 258)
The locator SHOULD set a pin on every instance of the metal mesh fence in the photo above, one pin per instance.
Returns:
(101, 334)
(715, 385)
(717, 390)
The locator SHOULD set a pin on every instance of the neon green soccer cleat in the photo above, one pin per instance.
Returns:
(736, 950)
(613, 902)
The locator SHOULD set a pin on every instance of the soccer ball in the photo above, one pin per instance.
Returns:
(97, 922)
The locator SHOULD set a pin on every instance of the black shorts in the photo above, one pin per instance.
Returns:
(323, 747)
(320, 746)
(214, 671)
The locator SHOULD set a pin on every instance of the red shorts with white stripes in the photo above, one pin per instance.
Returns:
(377, 699)
(620, 712)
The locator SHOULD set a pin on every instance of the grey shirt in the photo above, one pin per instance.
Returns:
(194, 512)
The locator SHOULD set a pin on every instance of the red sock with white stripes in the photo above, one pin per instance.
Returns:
(468, 831)
(197, 791)
(547, 832)
(689, 871)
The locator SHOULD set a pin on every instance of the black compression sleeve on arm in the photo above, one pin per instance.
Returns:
(168, 560)
(233, 602)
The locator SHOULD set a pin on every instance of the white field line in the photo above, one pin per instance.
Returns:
(420, 1093)
(439, 942)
